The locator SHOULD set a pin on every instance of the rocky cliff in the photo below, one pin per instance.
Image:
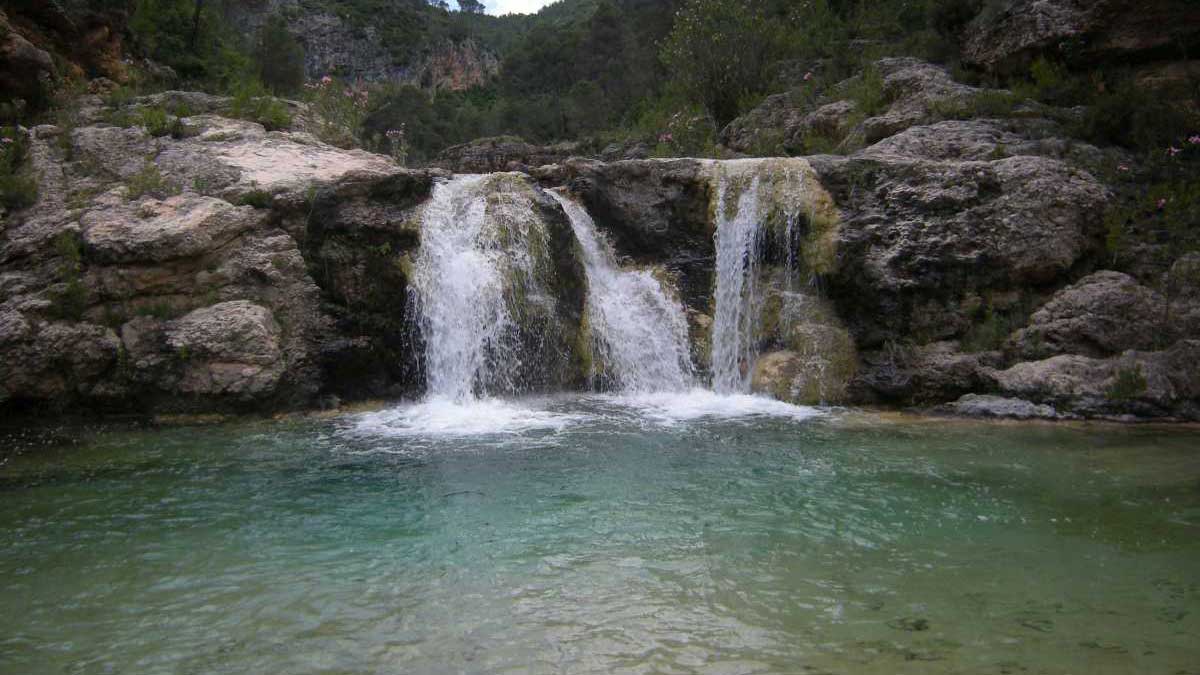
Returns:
(335, 45)
(948, 260)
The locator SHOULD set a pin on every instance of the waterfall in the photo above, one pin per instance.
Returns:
(472, 278)
(639, 333)
(761, 204)
(739, 240)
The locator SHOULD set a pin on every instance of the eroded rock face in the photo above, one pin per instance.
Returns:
(920, 238)
(1147, 384)
(187, 297)
(656, 212)
(503, 153)
(1101, 315)
(1010, 37)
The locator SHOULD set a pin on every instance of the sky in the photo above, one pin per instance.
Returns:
(514, 6)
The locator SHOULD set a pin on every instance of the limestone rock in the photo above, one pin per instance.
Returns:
(1010, 37)
(232, 348)
(932, 373)
(914, 90)
(1145, 384)
(918, 237)
(977, 405)
(52, 361)
(1101, 315)
(157, 231)
(503, 153)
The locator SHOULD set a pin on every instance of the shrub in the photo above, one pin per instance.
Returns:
(718, 52)
(1128, 384)
(252, 102)
(155, 120)
(18, 189)
(149, 181)
(866, 91)
(989, 334)
(259, 199)
(340, 110)
(69, 301)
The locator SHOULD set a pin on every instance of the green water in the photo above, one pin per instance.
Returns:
(606, 537)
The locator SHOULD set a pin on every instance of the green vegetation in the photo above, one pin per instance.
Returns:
(1128, 383)
(989, 333)
(18, 187)
(155, 120)
(69, 300)
(259, 199)
(149, 181)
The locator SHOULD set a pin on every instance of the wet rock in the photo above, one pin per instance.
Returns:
(818, 358)
(654, 211)
(982, 405)
(1143, 384)
(906, 374)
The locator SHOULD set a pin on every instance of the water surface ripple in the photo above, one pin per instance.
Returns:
(652, 534)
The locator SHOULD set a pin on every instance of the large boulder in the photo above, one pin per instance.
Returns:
(203, 252)
(1101, 315)
(1146, 384)
(1008, 37)
(922, 241)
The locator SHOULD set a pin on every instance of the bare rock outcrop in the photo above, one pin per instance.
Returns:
(1007, 37)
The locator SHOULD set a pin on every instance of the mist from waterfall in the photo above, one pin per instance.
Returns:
(639, 332)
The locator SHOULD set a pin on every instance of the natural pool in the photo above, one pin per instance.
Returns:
(668, 534)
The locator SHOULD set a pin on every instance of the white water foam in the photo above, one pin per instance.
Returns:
(640, 333)
(673, 408)
(443, 417)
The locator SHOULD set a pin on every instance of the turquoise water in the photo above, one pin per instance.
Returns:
(590, 535)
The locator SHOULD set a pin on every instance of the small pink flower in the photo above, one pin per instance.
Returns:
(6, 140)
(808, 76)
(326, 80)
(1122, 167)
(1172, 151)
(665, 138)
(1194, 140)
(1162, 203)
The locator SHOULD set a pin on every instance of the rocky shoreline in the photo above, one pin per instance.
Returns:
(226, 268)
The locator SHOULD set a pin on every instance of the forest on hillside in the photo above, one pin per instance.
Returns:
(668, 74)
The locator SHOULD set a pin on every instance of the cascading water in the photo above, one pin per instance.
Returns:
(639, 332)
(757, 201)
(474, 282)
(457, 287)
(739, 244)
